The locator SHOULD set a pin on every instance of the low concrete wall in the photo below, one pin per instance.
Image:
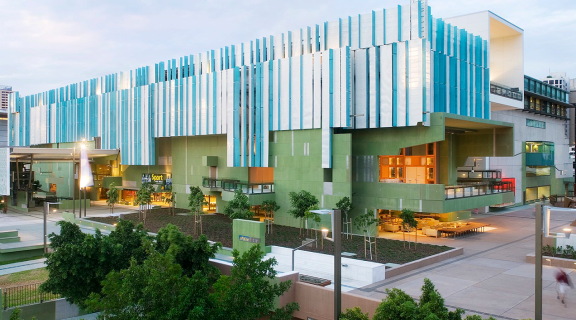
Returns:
(554, 261)
(318, 302)
(50, 310)
(69, 217)
(392, 272)
(355, 269)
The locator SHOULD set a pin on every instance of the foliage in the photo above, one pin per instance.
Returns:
(354, 314)
(364, 222)
(345, 205)
(400, 306)
(569, 252)
(239, 207)
(270, 206)
(192, 255)
(408, 221)
(113, 196)
(81, 261)
(16, 314)
(196, 200)
(170, 199)
(36, 185)
(159, 288)
(248, 293)
(301, 202)
(144, 197)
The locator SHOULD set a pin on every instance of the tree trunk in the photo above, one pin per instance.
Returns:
(404, 237)
(416, 238)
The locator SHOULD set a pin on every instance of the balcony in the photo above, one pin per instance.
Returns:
(211, 183)
(479, 175)
(504, 91)
(479, 189)
(246, 187)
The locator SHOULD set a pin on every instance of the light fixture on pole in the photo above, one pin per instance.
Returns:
(336, 222)
(46, 210)
(567, 232)
(86, 179)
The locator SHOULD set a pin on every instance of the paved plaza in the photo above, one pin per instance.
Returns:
(492, 277)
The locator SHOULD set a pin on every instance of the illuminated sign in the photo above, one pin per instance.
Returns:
(535, 124)
(249, 239)
(156, 178)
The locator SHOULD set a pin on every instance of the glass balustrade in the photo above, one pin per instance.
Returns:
(480, 189)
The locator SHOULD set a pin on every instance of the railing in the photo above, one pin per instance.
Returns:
(25, 294)
(480, 174)
(248, 188)
(211, 182)
(473, 190)
(505, 92)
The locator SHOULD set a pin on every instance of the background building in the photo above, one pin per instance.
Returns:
(388, 108)
(4, 100)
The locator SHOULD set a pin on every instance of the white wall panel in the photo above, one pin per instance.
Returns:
(336, 103)
(415, 82)
(405, 22)
(366, 30)
(333, 35)
(285, 94)
(295, 93)
(307, 92)
(361, 89)
(401, 85)
(379, 28)
(317, 90)
(373, 78)
(355, 30)
(392, 25)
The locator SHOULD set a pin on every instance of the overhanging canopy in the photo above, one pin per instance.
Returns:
(52, 154)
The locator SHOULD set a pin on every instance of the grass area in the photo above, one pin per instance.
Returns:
(218, 228)
(23, 277)
(20, 260)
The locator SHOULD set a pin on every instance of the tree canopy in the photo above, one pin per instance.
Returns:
(239, 207)
(112, 195)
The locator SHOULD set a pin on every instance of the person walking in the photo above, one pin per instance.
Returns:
(563, 282)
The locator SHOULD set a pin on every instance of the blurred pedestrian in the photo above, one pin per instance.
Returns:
(563, 282)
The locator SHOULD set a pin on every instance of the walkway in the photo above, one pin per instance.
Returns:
(492, 277)
(22, 266)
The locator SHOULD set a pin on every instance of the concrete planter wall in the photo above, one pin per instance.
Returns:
(554, 261)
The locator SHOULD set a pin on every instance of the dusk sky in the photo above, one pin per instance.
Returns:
(49, 44)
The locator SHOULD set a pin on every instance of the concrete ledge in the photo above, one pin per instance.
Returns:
(392, 272)
(554, 261)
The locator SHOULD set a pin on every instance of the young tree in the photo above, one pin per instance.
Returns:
(354, 314)
(112, 194)
(408, 222)
(249, 293)
(169, 199)
(81, 261)
(301, 202)
(196, 201)
(366, 223)
(345, 206)
(144, 198)
(239, 207)
(269, 207)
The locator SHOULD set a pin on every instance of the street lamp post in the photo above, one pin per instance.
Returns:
(46, 210)
(337, 239)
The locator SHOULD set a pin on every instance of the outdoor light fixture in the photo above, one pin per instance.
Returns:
(325, 234)
(567, 232)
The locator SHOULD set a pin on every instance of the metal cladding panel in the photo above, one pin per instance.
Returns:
(317, 89)
(307, 91)
(306, 40)
(415, 13)
(295, 93)
(361, 88)
(244, 80)
(333, 35)
(285, 94)
(379, 28)
(230, 100)
(366, 30)
(275, 74)
(265, 112)
(355, 32)
(345, 88)
(391, 28)
(345, 32)
(327, 104)
(204, 104)
(336, 97)
(279, 46)
(296, 43)
(415, 82)
(405, 22)
(374, 87)
(322, 36)
(427, 81)
(401, 85)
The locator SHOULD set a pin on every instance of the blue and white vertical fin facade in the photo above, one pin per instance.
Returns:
(386, 68)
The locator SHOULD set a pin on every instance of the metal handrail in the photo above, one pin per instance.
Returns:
(25, 294)
(473, 190)
(293, 250)
(505, 92)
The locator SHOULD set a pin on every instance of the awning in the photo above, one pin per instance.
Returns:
(53, 154)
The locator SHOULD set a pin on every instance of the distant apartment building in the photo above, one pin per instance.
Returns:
(558, 79)
(5, 92)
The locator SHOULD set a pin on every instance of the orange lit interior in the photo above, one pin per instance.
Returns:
(414, 165)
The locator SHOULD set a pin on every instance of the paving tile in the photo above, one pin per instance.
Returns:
(528, 270)
(494, 263)
(470, 272)
(480, 299)
(445, 285)
(550, 306)
(511, 284)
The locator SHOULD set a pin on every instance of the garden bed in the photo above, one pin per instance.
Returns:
(218, 227)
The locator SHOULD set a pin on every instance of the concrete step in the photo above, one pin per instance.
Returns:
(8, 233)
(9, 239)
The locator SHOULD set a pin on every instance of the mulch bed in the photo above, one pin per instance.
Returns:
(218, 227)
